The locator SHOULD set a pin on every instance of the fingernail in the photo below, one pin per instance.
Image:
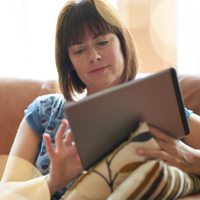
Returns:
(140, 151)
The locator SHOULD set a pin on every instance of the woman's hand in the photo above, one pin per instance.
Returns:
(65, 163)
(174, 152)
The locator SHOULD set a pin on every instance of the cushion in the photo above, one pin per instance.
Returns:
(125, 175)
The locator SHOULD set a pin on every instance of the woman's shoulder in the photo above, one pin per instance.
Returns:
(51, 99)
(46, 100)
(44, 110)
(49, 104)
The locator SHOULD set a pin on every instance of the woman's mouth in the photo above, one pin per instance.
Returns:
(99, 69)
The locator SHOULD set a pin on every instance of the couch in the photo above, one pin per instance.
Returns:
(16, 94)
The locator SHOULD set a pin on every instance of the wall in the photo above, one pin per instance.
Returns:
(153, 24)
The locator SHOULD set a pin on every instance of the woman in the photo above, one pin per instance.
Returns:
(94, 51)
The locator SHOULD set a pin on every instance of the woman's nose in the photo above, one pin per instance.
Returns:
(94, 55)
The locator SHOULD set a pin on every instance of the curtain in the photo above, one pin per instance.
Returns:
(189, 37)
(27, 38)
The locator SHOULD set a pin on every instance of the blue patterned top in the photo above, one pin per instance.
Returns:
(44, 115)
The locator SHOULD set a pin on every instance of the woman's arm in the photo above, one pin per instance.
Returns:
(24, 148)
(193, 139)
(26, 142)
(65, 163)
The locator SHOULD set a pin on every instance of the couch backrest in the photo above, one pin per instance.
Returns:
(190, 86)
(15, 96)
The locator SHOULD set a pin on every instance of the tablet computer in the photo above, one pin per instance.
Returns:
(101, 121)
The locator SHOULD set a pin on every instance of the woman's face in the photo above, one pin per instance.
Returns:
(98, 61)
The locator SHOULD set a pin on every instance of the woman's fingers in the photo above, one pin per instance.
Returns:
(173, 151)
(48, 145)
(69, 138)
(58, 139)
(60, 134)
(170, 159)
(158, 134)
(158, 154)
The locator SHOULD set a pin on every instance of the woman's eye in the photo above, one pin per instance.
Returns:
(78, 52)
(103, 43)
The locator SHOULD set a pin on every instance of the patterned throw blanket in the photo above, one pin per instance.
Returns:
(125, 175)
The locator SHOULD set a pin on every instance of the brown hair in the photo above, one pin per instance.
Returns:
(99, 17)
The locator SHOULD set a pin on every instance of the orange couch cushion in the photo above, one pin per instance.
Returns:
(15, 96)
